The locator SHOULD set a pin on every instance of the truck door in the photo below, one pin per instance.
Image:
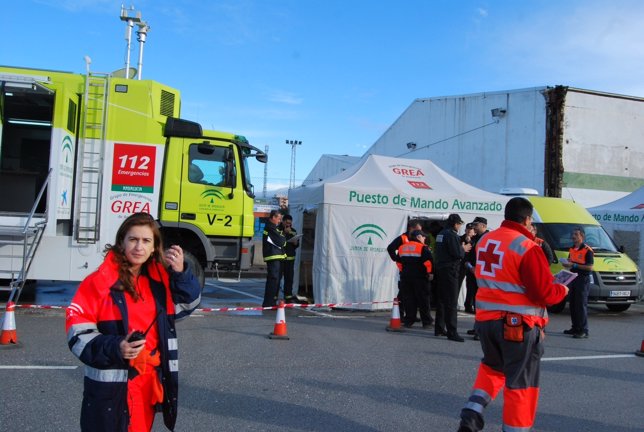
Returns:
(25, 141)
(210, 198)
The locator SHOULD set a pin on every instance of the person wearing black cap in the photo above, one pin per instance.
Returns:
(479, 224)
(415, 259)
(466, 239)
(480, 227)
(392, 250)
(449, 254)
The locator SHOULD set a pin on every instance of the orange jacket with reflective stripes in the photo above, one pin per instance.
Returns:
(415, 260)
(513, 276)
(578, 256)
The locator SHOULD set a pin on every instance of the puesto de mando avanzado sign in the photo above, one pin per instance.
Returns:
(419, 203)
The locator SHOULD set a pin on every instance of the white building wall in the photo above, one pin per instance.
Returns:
(460, 135)
(604, 134)
(602, 141)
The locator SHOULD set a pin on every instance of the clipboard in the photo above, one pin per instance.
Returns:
(564, 277)
(295, 238)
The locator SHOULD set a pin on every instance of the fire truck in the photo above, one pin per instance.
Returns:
(81, 152)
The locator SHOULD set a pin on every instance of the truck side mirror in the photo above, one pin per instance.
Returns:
(231, 171)
(622, 249)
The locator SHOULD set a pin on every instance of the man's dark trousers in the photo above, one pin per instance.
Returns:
(272, 282)
(447, 286)
(579, 289)
(287, 270)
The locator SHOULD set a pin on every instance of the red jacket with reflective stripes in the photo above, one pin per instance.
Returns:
(513, 275)
(96, 323)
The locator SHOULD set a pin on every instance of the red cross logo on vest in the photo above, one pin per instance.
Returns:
(490, 260)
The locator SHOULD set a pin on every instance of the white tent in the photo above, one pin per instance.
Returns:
(354, 215)
(624, 220)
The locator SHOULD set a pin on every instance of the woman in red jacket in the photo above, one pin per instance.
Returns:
(141, 288)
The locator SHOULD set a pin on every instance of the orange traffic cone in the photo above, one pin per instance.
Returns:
(394, 322)
(279, 331)
(9, 335)
(641, 351)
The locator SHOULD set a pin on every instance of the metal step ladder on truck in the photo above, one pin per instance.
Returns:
(81, 152)
(616, 280)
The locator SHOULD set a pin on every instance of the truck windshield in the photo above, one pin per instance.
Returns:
(559, 236)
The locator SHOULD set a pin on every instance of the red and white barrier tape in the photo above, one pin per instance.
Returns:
(235, 309)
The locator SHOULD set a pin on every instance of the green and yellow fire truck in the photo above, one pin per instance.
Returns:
(80, 152)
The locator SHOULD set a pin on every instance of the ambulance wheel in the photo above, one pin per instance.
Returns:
(618, 307)
(196, 268)
(555, 309)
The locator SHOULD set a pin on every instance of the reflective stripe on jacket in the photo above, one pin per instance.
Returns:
(273, 242)
(578, 256)
(96, 323)
(415, 259)
(500, 290)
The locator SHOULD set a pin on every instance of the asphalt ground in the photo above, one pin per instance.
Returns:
(339, 371)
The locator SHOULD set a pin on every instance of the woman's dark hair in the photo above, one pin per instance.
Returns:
(125, 276)
(517, 209)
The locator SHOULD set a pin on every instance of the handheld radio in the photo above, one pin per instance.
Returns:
(137, 335)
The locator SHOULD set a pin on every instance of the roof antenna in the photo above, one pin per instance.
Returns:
(141, 36)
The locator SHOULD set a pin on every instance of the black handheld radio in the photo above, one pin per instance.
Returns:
(137, 335)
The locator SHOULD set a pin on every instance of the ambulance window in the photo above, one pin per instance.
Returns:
(71, 117)
(207, 165)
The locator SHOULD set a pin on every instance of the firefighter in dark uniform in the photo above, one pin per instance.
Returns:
(514, 287)
(449, 255)
(288, 264)
(273, 242)
(580, 260)
(415, 259)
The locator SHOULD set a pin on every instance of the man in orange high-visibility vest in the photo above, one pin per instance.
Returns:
(416, 267)
(392, 250)
(514, 287)
(580, 260)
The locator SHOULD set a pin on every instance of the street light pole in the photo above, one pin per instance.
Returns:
(265, 172)
(293, 144)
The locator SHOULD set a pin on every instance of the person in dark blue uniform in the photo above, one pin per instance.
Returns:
(581, 259)
(449, 255)
(273, 243)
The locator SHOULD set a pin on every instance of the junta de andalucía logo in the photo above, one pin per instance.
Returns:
(211, 199)
(369, 236)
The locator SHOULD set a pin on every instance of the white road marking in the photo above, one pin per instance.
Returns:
(37, 367)
(595, 357)
(233, 290)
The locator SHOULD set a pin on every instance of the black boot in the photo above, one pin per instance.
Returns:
(471, 421)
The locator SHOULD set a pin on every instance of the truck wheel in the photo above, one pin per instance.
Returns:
(196, 268)
(555, 309)
(617, 307)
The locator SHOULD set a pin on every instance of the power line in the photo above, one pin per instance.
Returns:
(449, 138)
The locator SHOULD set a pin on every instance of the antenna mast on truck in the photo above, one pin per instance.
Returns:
(141, 34)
